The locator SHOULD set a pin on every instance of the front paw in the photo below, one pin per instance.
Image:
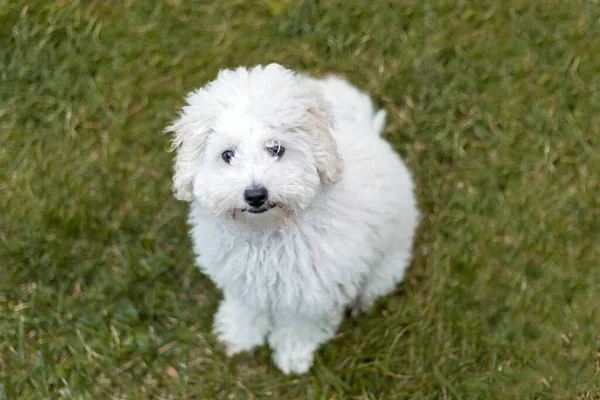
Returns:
(238, 328)
(232, 348)
(238, 339)
(293, 361)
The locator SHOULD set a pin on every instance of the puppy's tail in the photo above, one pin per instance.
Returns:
(378, 121)
(351, 104)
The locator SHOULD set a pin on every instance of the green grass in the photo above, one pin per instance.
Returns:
(494, 105)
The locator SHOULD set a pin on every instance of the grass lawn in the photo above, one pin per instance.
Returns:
(494, 105)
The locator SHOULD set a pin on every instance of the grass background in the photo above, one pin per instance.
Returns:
(493, 104)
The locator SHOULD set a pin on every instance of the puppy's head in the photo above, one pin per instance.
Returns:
(254, 146)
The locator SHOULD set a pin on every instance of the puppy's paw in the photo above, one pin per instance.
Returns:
(239, 329)
(293, 362)
(355, 308)
(238, 340)
(360, 306)
(232, 349)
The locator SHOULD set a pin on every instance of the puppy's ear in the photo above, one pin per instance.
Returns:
(191, 133)
(320, 125)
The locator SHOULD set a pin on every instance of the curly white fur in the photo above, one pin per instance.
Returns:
(342, 214)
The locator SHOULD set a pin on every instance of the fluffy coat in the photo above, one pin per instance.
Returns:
(341, 214)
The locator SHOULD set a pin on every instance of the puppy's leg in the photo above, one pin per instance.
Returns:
(295, 338)
(240, 327)
(382, 280)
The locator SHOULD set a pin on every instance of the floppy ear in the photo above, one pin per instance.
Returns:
(191, 133)
(319, 126)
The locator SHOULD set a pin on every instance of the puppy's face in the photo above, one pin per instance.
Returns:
(253, 174)
(254, 147)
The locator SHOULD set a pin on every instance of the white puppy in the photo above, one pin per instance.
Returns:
(299, 209)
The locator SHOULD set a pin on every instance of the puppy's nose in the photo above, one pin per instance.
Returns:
(256, 196)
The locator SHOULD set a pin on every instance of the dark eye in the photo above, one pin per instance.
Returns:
(227, 155)
(276, 151)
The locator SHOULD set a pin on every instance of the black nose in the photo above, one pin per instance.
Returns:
(256, 196)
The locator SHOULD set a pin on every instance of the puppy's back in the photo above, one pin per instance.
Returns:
(351, 105)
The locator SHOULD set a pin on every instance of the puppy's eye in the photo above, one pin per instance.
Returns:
(276, 151)
(227, 155)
